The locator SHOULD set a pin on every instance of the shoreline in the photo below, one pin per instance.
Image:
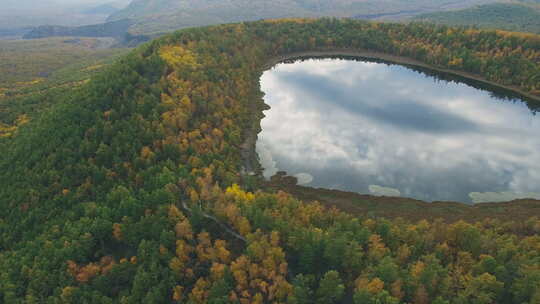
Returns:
(401, 60)
(392, 207)
(251, 163)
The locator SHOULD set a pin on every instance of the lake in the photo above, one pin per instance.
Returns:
(386, 129)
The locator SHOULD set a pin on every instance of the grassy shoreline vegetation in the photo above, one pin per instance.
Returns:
(121, 191)
(402, 207)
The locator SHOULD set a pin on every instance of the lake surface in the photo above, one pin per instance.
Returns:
(382, 129)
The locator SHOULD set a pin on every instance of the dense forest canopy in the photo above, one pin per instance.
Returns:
(33, 74)
(132, 188)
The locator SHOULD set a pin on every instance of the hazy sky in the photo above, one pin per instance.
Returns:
(27, 13)
(46, 4)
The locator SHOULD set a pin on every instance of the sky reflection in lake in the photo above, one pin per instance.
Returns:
(388, 130)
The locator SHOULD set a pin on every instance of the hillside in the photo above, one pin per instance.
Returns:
(508, 16)
(166, 15)
(117, 29)
(151, 17)
(132, 188)
(32, 73)
(106, 9)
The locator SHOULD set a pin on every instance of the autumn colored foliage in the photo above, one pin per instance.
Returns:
(133, 188)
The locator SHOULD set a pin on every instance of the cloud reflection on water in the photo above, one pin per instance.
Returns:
(351, 125)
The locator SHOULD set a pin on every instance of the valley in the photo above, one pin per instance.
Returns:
(149, 18)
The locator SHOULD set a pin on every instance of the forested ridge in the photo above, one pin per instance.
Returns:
(520, 16)
(121, 192)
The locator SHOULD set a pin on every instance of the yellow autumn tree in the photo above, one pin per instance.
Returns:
(178, 57)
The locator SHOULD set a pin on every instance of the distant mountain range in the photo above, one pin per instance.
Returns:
(16, 14)
(151, 17)
(522, 17)
(165, 15)
(106, 9)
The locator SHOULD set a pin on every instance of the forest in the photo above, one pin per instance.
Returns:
(34, 73)
(132, 187)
